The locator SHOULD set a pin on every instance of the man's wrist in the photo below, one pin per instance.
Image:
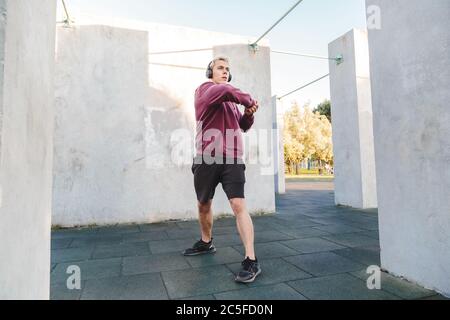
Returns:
(251, 116)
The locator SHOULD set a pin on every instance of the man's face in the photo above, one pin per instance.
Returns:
(221, 72)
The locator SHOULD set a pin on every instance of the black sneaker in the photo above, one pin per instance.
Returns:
(250, 271)
(199, 248)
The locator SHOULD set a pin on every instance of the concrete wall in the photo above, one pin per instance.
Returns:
(3, 21)
(355, 178)
(27, 53)
(251, 72)
(278, 146)
(410, 87)
(122, 116)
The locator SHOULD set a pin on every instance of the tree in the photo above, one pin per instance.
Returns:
(307, 135)
(324, 109)
(324, 145)
(293, 148)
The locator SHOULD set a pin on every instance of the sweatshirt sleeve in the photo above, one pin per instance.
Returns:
(219, 93)
(246, 122)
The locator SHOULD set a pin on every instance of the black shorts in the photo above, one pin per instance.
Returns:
(209, 173)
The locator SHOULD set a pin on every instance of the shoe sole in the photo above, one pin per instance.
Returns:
(200, 253)
(250, 280)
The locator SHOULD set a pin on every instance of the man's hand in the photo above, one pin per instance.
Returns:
(251, 111)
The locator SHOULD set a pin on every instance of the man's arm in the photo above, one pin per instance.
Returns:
(247, 120)
(219, 93)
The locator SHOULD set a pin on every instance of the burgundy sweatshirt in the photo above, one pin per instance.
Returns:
(216, 112)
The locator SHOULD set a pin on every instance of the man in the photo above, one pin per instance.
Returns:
(219, 160)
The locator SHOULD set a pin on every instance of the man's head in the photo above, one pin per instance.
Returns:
(219, 70)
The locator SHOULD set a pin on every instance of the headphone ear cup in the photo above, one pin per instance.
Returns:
(209, 71)
(230, 78)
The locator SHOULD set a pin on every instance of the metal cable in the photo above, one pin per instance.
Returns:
(306, 55)
(176, 66)
(180, 51)
(67, 13)
(276, 23)
(337, 59)
(304, 86)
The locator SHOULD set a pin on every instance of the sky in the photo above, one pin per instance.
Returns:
(308, 29)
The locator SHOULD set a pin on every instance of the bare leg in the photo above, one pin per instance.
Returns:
(245, 226)
(206, 220)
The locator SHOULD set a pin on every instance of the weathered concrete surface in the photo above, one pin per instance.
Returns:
(355, 177)
(410, 88)
(125, 121)
(27, 55)
(278, 146)
(251, 73)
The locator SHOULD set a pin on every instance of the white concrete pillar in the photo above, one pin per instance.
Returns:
(278, 146)
(410, 76)
(251, 73)
(27, 53)
(355, 178)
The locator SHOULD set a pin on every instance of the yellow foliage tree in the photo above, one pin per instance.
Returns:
(307, 135)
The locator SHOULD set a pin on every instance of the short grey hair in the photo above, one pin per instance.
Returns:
(219, 58)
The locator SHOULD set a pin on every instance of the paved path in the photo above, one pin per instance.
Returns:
(310, 250)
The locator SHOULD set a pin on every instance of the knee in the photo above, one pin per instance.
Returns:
(204, 208)
(238, 206)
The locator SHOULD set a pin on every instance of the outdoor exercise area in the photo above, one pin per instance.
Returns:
(310, 250)
(99, 124)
